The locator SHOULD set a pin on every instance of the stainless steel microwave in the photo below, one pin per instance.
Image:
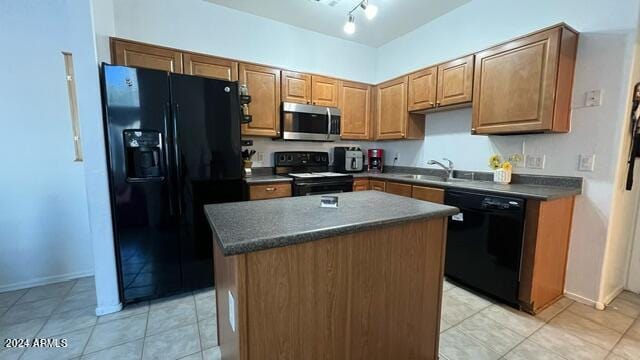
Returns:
(310, 122)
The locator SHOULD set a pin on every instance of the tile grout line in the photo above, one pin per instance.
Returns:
(48, 317)
(195, 305)
(146, 326)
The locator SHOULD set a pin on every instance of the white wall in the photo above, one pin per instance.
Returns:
(201, 26)
(604, 62)
(44, 224)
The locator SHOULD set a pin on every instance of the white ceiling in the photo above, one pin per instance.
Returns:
(395, 17)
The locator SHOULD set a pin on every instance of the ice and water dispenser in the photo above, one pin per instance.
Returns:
(144, 154)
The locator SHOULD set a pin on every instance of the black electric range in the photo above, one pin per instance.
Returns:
(310, 173)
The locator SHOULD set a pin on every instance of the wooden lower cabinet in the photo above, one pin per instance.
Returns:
(428, 194)
(360, 184)
(263, 84)
(377, 185)
(269, 191)
(373, 294)
(544, 253)
(398, 188)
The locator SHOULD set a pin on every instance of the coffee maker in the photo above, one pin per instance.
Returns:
(376, 160)
(348, 159)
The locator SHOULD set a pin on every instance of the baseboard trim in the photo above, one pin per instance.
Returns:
(45, 281)
(582, 299)
(609, 298)
(104, 310)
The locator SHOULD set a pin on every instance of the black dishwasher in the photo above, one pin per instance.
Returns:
(484, 243)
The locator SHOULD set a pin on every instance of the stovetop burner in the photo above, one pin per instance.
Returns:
(310, 173)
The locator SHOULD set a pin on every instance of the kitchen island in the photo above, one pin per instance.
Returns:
(297, 281)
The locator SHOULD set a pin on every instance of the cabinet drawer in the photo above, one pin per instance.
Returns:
(269, 191)
(377, 185)
(360, 184)
(428, 194)
(398, 189)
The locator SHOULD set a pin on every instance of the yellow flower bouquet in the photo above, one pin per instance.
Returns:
(501, 169)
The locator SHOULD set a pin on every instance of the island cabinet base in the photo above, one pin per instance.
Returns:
(374, 294)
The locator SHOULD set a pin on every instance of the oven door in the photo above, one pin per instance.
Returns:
(325, 187)
(310, 122)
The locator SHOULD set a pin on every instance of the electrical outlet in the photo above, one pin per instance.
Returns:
(536, 161)
(396, 157)
(593, 98)
(586, 162)
(260, 156)
(517, 160)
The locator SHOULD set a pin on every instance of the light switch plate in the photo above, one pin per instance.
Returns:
(536, 161)
(586, 162)
(593, 98)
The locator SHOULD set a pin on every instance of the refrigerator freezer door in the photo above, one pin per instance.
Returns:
(137, 122)
(206, 114)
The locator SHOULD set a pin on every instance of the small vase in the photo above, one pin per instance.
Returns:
(502, 176)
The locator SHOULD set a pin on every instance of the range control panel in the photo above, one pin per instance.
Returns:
(301, 158)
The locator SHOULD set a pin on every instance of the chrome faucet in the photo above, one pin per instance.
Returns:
(448, 169)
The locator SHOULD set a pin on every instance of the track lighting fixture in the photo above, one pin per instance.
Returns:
(370, 12)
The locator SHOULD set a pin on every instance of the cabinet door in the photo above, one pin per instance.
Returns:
(514, 85)
(145, 56)
(398, 189)
(263, 84)
(210, 66)
(360, 184)
(422, 89)
(296, 87)
(355, 107)
(377, 185)
(428, 194)
(391, 109)
(455, 81)
(324, 91)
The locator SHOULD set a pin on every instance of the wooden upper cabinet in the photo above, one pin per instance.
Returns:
(324, 91)
(391, 109)
(210, 66)
(296, 87)
(524, 86)
(455, 82)
(422, 89)
(355, 106)
(145, 56)
(393, 120)
(263, 84)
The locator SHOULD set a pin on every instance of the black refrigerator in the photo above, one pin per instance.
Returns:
(173, 145)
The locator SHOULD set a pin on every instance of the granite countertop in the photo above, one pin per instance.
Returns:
(248, 226)
(267, 178)
(530, 191)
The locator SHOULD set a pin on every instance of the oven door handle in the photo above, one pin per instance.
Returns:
(328, 122)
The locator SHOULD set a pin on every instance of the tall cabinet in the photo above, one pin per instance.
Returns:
(355, 105)
(263, 84)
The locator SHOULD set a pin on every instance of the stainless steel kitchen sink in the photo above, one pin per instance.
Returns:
(433, 178)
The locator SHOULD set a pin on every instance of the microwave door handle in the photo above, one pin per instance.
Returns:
(328, 123)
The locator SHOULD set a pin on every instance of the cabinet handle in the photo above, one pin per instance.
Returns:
(270, 189)
(437, 103)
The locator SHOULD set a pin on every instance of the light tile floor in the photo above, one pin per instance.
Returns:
(183, 327)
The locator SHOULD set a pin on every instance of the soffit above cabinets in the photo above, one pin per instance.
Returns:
(394, 19)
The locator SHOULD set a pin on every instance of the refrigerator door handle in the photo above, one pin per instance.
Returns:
(176, 149)
(167, 166)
